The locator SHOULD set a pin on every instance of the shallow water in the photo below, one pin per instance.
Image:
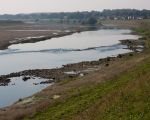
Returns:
(85, 46)
(18, 88)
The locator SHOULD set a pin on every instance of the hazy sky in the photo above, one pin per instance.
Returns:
(29, 6)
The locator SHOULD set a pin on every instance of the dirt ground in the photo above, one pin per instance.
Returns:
(12, 31)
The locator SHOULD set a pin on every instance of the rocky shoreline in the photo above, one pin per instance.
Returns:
(134, 45)
(65, 72)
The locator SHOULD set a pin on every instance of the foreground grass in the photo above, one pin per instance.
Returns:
(130, 101)
(130, 90)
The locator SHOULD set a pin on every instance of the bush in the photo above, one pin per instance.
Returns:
(92, 21)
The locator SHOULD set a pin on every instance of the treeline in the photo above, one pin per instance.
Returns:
(105, 14)
(126, 14)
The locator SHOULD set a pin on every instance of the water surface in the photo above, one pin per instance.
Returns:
(85, 46)
(18, 89)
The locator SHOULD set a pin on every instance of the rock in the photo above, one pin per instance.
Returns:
(13, 84)
(108, 58)
(4, 81)
(20, 100)
(46, 82)
(106, 64)
(35, 83)
(119, 56)
(26, 78)
(130, 54)
(81, 74)
(56, 96)
(100, 59)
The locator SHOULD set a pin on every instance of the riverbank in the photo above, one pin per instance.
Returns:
(69, 98)
(59, 92)
(120, 92)
(65, 72)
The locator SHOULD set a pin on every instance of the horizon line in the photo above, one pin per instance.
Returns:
(25, 13)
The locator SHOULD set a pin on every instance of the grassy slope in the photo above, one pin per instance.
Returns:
(126, 96)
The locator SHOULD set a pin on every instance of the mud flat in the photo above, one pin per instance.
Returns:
(9, 33)
(41, 38)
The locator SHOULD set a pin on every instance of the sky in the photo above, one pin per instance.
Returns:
(31, 6)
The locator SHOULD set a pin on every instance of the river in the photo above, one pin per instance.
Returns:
(55, 52)
(85, 46)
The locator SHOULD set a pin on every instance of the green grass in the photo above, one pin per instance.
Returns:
(84, 97)
(134, 101)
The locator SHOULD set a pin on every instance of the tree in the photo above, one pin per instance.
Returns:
(92, 21)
